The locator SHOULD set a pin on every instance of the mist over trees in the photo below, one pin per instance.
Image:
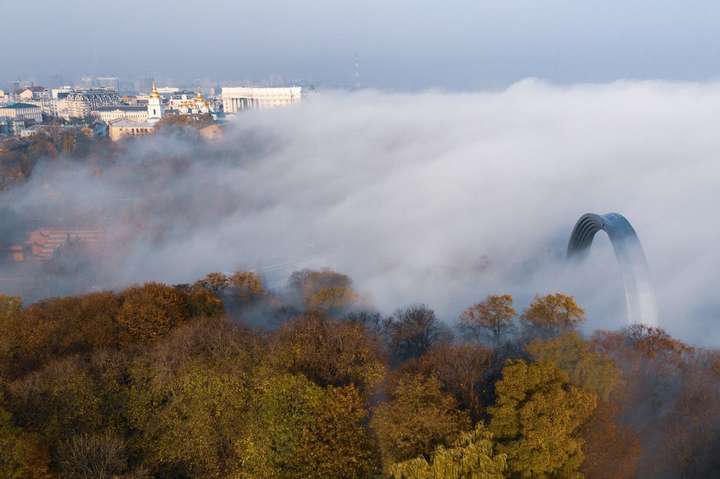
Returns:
(227, 377)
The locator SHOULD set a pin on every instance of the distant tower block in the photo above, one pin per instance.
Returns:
(155, 111)
(639, 293)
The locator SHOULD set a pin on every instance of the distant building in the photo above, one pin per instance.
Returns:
(109, 114)
(167, 90)
(3, 97)
(36, 95)
(126, 128)
(188, 103)
(60, 92)
(42, 244)
(108, 83)
(155, 106)
(80, 104)
(21, 112)
(237, 99)
(32, 93)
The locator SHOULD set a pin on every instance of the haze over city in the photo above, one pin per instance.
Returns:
(401, 45)
(368, 240)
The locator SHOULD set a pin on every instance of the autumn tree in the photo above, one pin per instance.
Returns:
(412, 331)
(101, 455)
(9, 307)
(591, 370)
(461, 369)
(329, 352)
(472, 456)
(151, 311)
(324, 290)
(21, 454)
(490, 320)
(338, 443)
(551, 315)
(418, 417)
(612, 449)
(214, 282)
(246, 287)
(688, 443)
(187, 424)
(536, 420)
(296, 429)
(60, 397)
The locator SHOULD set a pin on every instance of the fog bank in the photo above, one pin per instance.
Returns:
(436, 198)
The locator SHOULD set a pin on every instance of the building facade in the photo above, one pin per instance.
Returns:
(188, 103)
(21, 112)
(109, 114)
(80, 104)
(155, 106)
(237, 99)
(125, 128)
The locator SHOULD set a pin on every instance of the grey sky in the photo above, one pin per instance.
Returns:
(401, 44)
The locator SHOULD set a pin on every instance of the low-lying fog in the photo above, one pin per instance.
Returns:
(435, 198)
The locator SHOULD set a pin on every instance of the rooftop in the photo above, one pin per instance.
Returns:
(15, 106)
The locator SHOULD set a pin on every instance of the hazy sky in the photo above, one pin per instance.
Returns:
(400, 44)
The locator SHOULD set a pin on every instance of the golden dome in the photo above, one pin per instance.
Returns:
(154, 93)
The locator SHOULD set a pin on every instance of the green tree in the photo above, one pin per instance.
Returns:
(536, 420)
(472, 456)
(418, 417)
(490, 320)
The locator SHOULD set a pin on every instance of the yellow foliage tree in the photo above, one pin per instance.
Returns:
(418, 417)
(591, 370)
(551, 315)
(536, 419)
(472, 456)
(490, 320)
(151, 311)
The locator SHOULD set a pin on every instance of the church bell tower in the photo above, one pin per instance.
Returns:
(155, 111)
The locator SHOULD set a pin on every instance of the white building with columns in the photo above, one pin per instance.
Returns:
(237, 99)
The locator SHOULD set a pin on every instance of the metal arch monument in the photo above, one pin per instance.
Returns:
(639, 294)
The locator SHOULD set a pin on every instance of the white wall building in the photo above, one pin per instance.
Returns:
(21, 111)
(126, 128)
(81, 104)
(109, 114)
(237, 99)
